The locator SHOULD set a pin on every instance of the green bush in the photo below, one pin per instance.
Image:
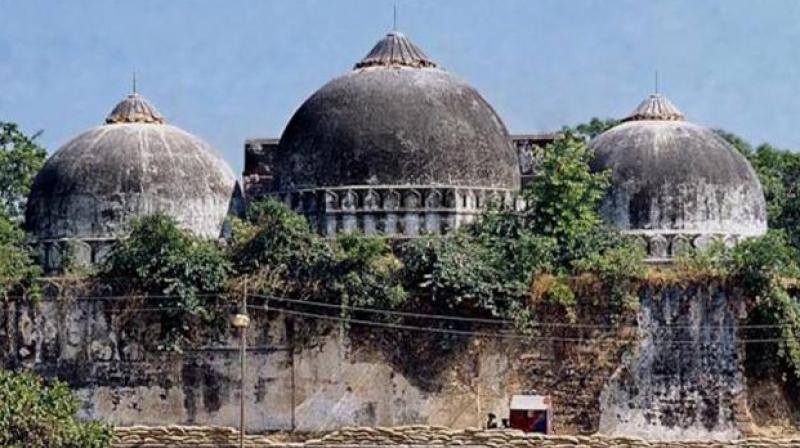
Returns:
(158, 258)
(454, 273)
(762, 266)
(34, 414)
(20, 159)
(17, 265)
(517, 252)
(618, 262)
(279, 252)
(282, 256)
(278, 237)
(364, 272)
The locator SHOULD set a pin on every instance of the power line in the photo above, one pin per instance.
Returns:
(175, 308)
(386, 312)
(502, 321)
(134, 297)
(499, 335)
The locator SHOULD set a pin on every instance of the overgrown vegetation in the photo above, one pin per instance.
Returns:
(20, 159)
(38, 415)
(768, 266)
(17, 264)
(484, 270)
(182, 274)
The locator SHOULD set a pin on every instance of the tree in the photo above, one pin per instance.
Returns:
(779, 173)
(280, 251)
(562, 201)
(16, 260)
(740, 144)
(592, 128)
(517, 250)
(37, 415)
(20, 159)
(187, 271)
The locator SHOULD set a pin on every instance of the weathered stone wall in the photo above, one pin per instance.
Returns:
(375, 378)
(685, 377)
(409, 436)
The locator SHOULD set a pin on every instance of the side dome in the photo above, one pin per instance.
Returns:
(396, 119)
(676, 182)
(133, 165)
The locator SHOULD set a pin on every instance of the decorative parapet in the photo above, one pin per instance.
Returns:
(394, 210)
(55, 253)
(663, 246)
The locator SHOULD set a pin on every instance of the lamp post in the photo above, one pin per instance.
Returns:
(242, 321)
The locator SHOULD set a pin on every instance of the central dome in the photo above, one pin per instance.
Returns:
(396, 119)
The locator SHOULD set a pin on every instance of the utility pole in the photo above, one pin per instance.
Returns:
(241, 321)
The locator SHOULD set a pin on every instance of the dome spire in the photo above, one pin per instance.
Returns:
(134, 109)
(656, 83)
(395, 50)
(655, 107)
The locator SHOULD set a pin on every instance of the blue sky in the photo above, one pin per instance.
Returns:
(233, 69)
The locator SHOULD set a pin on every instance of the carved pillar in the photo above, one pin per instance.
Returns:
(331, 206)
(349, 205)
(433, 204)
(473, 203)
(411, 203)
(680, 243)
(451, 204)
(53, 255)
(370, 207)
(391, 202)
(659, 247)
(311, 209)
(704, 240)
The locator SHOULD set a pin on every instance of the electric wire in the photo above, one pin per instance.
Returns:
(126, 298)
(499, 321)
(500, 335)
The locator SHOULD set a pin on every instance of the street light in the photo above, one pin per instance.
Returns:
(242, 321)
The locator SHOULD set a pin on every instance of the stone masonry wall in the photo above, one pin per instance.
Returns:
(374, 378)
(371, 378)
(685, 377)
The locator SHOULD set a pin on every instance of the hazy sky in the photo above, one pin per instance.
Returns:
(229, 70)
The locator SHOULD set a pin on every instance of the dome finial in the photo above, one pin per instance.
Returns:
(394, 18)
(395, 50)
(134, 109)
(133, 87)
(656, 107)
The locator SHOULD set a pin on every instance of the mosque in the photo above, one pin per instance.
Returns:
(397, 146)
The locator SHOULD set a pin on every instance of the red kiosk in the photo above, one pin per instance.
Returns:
(531, 413)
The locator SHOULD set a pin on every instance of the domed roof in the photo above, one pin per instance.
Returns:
(674, 176)
(133, 165)
(396, 119)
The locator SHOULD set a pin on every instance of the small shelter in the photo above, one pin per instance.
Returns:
(531, 413)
